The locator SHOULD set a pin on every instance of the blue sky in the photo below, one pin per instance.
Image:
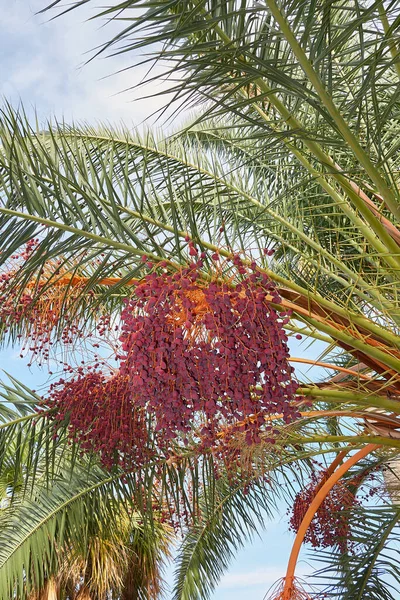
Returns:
(42, 65)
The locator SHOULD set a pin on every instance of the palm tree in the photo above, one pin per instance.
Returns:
(63, 523)
(295, 150)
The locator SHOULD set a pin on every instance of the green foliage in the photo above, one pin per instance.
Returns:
(371, 570)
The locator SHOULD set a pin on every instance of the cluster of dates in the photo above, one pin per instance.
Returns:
(197, 357)
(102, 417)
(37, 309)
(210, 353)
(330, 525)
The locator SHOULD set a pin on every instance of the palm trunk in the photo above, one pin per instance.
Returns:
(391, 474)
(50, 591)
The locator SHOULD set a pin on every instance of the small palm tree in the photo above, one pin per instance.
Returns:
(62, 525)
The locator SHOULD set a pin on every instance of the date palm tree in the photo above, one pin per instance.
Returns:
(295, 150)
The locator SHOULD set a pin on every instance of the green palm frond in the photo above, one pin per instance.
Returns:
(219, 531)
(167, 193)
(33, 529)
(278, 59)
(57, 500)
(372, 568)
(28, 449)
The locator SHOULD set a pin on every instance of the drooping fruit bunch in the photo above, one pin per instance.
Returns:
(200, 360)
(207, 351)
(330, 525)
(102, 417)
(37, 306)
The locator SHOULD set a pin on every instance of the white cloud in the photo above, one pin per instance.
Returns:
(43, 65)
(265, 576)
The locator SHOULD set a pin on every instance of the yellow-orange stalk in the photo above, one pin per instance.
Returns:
(319, 498)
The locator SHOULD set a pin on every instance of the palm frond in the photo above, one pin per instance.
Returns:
(219, 531)
(35, 528)
(371, 569)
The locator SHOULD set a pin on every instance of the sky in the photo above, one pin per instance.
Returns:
(42, 66)
(45, 64)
